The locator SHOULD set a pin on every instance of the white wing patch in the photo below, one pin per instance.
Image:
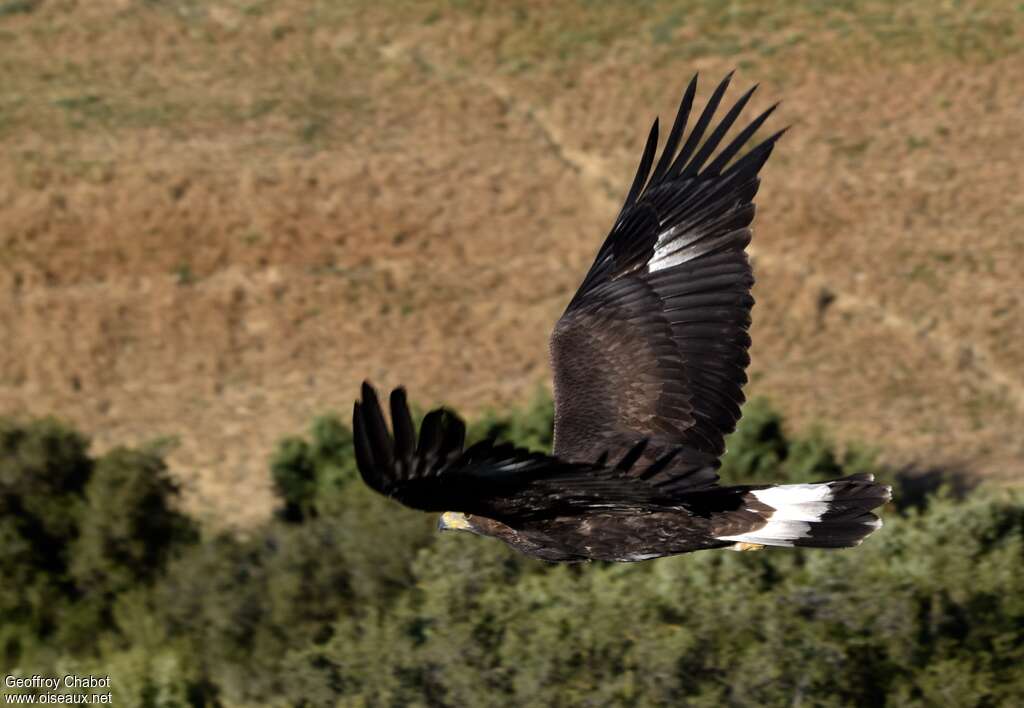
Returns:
(668, 251)
(796, 506)
(683, 243)
(796, 502)
(773, 533)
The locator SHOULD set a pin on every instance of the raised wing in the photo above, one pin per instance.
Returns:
(499, 481)
(654, 343)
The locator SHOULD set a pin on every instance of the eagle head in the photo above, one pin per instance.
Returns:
(454, 521)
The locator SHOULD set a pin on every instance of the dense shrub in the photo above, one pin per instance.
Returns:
(127, 527)
(309, 475)
(246, 606)
(926, 613)
(76, 533)
(43, 471)
(346, 598)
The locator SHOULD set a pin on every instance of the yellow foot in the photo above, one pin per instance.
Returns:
(746, 547)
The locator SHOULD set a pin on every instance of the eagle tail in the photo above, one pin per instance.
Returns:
(834, 514)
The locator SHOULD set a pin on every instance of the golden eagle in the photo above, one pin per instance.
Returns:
(649, 361)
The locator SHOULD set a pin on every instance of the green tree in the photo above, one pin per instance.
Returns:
(43, 472)
(308, 474)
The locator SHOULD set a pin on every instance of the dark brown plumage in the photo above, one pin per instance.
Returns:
(649, 362)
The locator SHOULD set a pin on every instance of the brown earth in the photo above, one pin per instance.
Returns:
(217, 218)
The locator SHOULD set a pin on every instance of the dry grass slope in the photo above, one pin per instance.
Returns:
(218, 217)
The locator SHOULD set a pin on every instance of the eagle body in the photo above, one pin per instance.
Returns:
(649, 361)
(606, 536)
(826, 515)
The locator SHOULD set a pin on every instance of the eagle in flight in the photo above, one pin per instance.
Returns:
(649, 362)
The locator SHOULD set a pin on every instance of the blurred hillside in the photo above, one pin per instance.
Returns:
(216, 218)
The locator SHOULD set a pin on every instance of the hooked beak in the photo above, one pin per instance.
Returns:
(453, 521)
